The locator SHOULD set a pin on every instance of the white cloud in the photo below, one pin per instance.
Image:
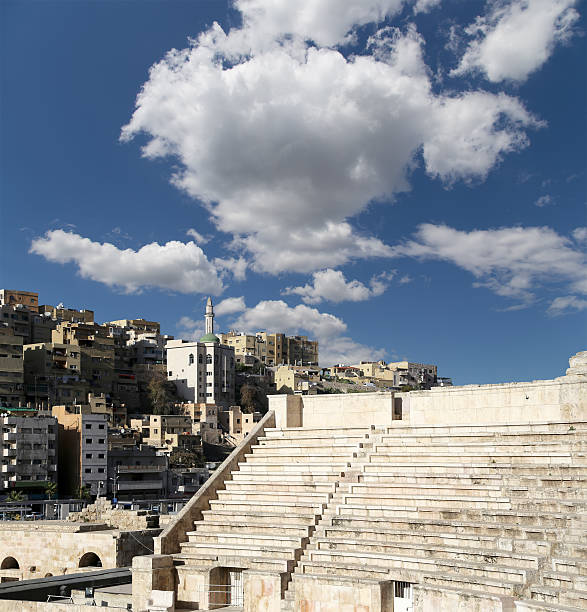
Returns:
(404, 280)
(331, 285)
(236, 266)
(545, 200)
(326, 22)
(424, 6)
(175, 266)
(230, 306)
(566, 304)
(198, 238)
(517, 37)
(333, 347)
(190, 329)
(580, 235)
(296, 136)
(510, 261)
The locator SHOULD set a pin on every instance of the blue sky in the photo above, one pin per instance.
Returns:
(396, 178)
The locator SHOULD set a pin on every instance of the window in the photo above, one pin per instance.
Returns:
(102, 456)
(208, 358)
(88, 440)
(199, 358)
(88, 426)
(170, 373)
(100, 470)
(101, 441)
(88, 470)
(191, 359)
(101, 426)
(88, 455)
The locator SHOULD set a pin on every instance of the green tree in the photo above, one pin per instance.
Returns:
(181, 458)
(15, 496)
(84, 493)
(248, 398)
(51, 490)
(162, 394)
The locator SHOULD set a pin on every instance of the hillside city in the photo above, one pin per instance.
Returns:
(120, 410)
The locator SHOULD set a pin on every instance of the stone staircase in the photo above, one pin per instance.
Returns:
(495, 509)
(268, 511)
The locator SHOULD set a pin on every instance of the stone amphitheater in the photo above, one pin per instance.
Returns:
(465, 498)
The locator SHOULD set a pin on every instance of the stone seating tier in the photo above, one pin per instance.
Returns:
(491, 509)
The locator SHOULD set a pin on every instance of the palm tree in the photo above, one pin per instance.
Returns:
(84, 493)
(15, 496)
(51, 490)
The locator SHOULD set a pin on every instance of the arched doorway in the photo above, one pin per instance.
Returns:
(10, 563)
(48, 575)
(90, 559)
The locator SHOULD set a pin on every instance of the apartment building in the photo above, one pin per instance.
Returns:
(272, 348)
(399, 373)
(60, 313)
(203, 372)
(137, 473)
(139, 325)
(204, 420)
(83, 449)
(11, 368)
(97, 352)
(52, 374)
(167, 432)
(237, 424)
(12, 297)
(29, 452)
(296, 379)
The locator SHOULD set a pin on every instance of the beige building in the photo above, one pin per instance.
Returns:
(97, 352)
(53, 374)
(11, 368)
(167, 432)
(71, 315)
(83, 449)
(272, 348)
(29, 452)
(296, 379)
(237, 424)
(204, 420)
(12, 297)
(139, 325)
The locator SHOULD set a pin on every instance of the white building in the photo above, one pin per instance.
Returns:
(203, 372)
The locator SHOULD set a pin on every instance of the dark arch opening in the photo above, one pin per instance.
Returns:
(10, 563)
(48, 575)
(90, 560)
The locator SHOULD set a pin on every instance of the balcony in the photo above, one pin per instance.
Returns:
(151, 485)
(143, 469)
(8, 469)
(9, 452)
(9, 436)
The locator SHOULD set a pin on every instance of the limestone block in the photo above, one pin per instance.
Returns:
(262, 591)
(151, 573)
(162, 601)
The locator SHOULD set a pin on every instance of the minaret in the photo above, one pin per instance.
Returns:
(209, 317)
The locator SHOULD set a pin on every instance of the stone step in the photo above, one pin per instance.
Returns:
(424, 501)
(509, 447)
(368, 489)
(225, 526)
(288, 485)
(461, 457)
(342, 444)
(423, 550)
(260, 517)
(258, 550)
(567, 597)
(574, 427)
(462, 479)
(540, 528)
(465, 514)
(448, 538)
(475, 468)
(324, 432)
(192, 559)
(488, 436)
(258, 475)
(298, 457)
(275, 496)
(252, 539)
(307, 509)
(297, 468)
(329, 561)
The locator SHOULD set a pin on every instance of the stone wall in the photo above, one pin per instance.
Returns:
(102, 511)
